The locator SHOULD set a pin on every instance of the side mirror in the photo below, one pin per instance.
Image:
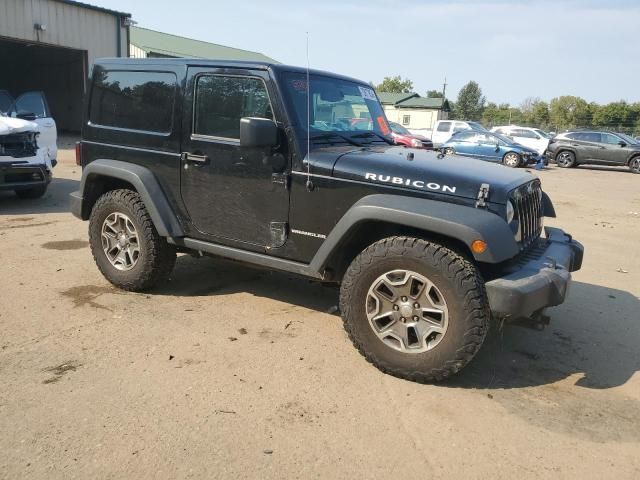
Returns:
(26, 116)
(258, 132)
(497, 147)
(622, 144)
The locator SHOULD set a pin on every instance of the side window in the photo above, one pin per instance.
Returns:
(463, 137)
(459, 126)
(502, 131)
(522, 133)
(591, 137)
(5, 101)
(133, 100)
(406, 119)
(610, 139)
(444, 126)
(221, 101)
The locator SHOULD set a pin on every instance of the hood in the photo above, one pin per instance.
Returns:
(10, 125)
(423, 170)
(523, 147)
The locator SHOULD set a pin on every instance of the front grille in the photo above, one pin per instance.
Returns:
(527, 202)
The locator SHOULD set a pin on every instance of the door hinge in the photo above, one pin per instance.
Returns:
(278, 234)
(483, 195)
(281, 179)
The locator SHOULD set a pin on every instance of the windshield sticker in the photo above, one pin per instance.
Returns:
(300, 85)
(382, 123)
(368, 93)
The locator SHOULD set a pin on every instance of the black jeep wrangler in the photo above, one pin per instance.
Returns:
(296, 170)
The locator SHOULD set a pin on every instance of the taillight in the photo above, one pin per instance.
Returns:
(78, 154)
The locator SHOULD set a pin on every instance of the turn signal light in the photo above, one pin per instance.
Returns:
(479, 246)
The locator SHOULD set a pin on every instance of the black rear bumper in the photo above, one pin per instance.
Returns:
(540, 279)
(23, 176)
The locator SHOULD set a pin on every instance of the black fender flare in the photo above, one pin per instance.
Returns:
(460, 222)
(146, 184)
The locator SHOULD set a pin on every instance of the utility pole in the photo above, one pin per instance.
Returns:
(444, 91)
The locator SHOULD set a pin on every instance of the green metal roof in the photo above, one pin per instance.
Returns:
(387, 98)
(409, 100)
(175, 46)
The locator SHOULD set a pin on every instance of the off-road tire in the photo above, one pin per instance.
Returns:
(35, 192)
(507, 160)
(157, 258)
(454, 275)
(566, 159)
(634, 164)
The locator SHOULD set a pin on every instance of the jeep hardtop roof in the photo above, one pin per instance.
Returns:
(200, 62)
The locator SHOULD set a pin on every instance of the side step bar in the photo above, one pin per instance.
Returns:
(245, 256)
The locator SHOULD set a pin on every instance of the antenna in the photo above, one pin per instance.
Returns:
(309, 183)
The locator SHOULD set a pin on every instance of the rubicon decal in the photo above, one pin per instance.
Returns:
(408, 182)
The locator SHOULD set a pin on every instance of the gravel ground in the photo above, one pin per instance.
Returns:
(231, 372)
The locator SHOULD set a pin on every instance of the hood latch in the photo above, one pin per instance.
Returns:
(483, 195)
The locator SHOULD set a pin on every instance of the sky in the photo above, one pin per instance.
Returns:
(513, 49)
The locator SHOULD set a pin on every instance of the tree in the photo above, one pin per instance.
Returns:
(395, 85)
(569, 111)
(470, 102)
(434, 94)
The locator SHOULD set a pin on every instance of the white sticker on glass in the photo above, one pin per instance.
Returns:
(367, 93)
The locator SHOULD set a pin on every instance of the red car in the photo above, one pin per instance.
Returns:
(402, 136)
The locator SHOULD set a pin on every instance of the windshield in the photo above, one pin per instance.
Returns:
(335, 105)
(627, 138)
(399, 129)
(504, 138)
(542, 133)
(477, 126)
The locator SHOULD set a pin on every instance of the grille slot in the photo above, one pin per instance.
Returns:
(527, 202)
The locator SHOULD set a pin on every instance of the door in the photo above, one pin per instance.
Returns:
(231, 192)
(488, 146)
(464, 143)
(588, 145)
(529, 138)
(33, 106)
(613, 149)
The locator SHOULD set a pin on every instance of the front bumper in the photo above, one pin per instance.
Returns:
(23, 176)
(539, 279)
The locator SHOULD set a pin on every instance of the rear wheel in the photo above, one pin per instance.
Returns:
(511, 159)
(35, 192)
(449, 151)
(414, 309)
(634, 164)
(566, 159)
(126, 245)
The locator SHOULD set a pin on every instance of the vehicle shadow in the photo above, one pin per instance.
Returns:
(55, 200)
(594, 335)
(605, 168)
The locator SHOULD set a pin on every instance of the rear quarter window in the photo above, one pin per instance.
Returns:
(133, 100)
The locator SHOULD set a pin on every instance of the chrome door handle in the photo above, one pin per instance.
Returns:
(191, 157)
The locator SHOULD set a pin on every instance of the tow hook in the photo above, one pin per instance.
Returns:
(538, 321)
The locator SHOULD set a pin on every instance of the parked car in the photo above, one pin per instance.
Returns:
(571, 149)
(402, 136)
(529, 137)
(444, 129)
(33, 106)
(256, 163)
(24, 167)
(492, 147)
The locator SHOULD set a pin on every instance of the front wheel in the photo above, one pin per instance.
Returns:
(126, 245)
(634, 164)
(415, 309)
(566, 159)
(511, 160)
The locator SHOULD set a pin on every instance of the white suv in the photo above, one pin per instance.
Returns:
(529, 137)
(444, 129)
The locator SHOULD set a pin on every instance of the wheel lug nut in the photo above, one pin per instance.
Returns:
(416, 305)
(404, 299)
(396, 307)
(415, 318)
(402, 319)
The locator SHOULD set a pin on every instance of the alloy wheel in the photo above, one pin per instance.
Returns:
(120, 241)
(511, 160)
(407, 311)
(564, 159)
(635, 165)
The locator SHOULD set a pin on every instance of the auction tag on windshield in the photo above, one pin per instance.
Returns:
(368, 93)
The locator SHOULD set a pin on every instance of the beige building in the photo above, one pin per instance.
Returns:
(49, 46)
(413, 111)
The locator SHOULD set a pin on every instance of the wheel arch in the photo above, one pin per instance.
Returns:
(567, 149)
(104, 175)
(378, 216)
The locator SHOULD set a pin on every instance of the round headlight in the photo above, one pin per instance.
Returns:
(510, 211)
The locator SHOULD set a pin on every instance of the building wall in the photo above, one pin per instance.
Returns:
(136, 52)
(67, 26)
(419, 118)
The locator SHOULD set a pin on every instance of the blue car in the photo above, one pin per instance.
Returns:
(491, 147)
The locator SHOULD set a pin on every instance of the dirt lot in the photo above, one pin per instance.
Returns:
(239, 373)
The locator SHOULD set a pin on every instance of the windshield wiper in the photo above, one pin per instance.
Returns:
(328, 135)
(374, 134)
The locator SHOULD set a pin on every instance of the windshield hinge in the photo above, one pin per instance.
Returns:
(281, 179)
(483, 195)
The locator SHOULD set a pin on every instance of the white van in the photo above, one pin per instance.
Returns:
(444, 129)
(529, 137)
